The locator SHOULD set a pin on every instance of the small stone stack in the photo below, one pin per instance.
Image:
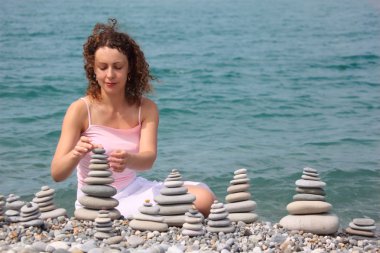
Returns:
(193, 225)
(148, 219)
(30, 215)
(97, 189)
(218, 219)
(2, 208)
(309, 211)
(13, 206)
(103, 225)
(174, 200)
(45, 201)
(362, 227)
(238, 201)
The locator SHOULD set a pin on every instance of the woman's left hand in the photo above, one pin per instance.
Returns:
(118, 160)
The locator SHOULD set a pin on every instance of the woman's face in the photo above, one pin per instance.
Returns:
(111, 70)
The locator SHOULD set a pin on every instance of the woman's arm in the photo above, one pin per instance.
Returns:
(143, 160)
(71, 146)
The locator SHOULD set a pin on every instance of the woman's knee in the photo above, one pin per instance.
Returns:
(204, 198)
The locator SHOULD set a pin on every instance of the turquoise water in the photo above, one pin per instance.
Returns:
(272, 86)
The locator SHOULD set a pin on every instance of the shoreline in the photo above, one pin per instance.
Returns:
(65, 234)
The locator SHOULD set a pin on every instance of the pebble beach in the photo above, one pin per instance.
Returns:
(65, 234)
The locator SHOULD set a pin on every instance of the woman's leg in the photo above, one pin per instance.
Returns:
(204, 198)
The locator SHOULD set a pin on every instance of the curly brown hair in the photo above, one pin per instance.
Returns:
(107, 35)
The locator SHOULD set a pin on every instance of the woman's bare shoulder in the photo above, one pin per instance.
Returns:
(149, 108)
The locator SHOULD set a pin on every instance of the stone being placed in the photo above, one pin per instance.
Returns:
(309, 211)
(13, 206)
(30, 215)
(103, 225)
(148, 219)
(45, 201)
(362, 227)
(98, 192)
(174, 200)
(193, 225)
(218, 219)
(238, 200)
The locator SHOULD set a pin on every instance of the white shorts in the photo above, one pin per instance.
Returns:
(134, 195)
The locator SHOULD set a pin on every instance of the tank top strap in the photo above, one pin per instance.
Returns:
(88, 110)
(140, 115)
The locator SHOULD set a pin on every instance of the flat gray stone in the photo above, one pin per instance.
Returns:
(219, 223)
(96, 166)
(102, 220)
(99, 180)
(47, 208)
(102, 235)
(174, 220)
(364, 228)
(99, 173)
(98, 151)
(237, 197)
(360, 232)
(310, 183)
(240, 176)
(29, 207)
(247, 218)
(47, 203)
(229, 229)
(308, 197)
(239, 181)
(173, 191)
(218, 210)
(34, 223)
(238, 188)
(152, 210)
(53, 214)
(241, 207)
(306, 177)
(15, 205)
(99, 190)
(174, 199)
(363, 221)
(114, 239)
(317, 191)
(192, 226)
(186, 232)
(148, 225)
(320, 224)
(42, 200)
(98, 156)
(98, 203)
(240, 171)
(171, 184)
(174, 209)
(217, 205)
(308, 207)
(217, 216)
(91, 214)
(310, 174)
(193, 220)
(99, 161)
(45, 193)
(144, 217)
(308, 169)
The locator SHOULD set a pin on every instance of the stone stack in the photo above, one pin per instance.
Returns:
(30, 215)
(238, 200)
(193, 225)
(97, 189)
(174, 200)
(103, 225)
(13, 206)
(148, 219)
(362, 227)
(218, 219)
(309, 211)
(45, 201)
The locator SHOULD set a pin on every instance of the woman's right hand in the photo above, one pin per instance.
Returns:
(83, 146)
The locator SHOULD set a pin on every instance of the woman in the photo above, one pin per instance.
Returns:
(115, 115)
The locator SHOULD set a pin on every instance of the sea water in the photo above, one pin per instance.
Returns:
(270, 86)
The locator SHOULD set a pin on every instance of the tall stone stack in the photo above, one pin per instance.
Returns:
(103, 225)
(193, 225)
(238, 200)
(174, 200)
(98, 192)
(45, 201)
(309, 211)
(13, 206)
(218, 219)
(148, 219)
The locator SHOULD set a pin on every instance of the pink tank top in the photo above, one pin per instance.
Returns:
(111, 139)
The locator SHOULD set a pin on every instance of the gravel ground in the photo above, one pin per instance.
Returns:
(70, 235)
